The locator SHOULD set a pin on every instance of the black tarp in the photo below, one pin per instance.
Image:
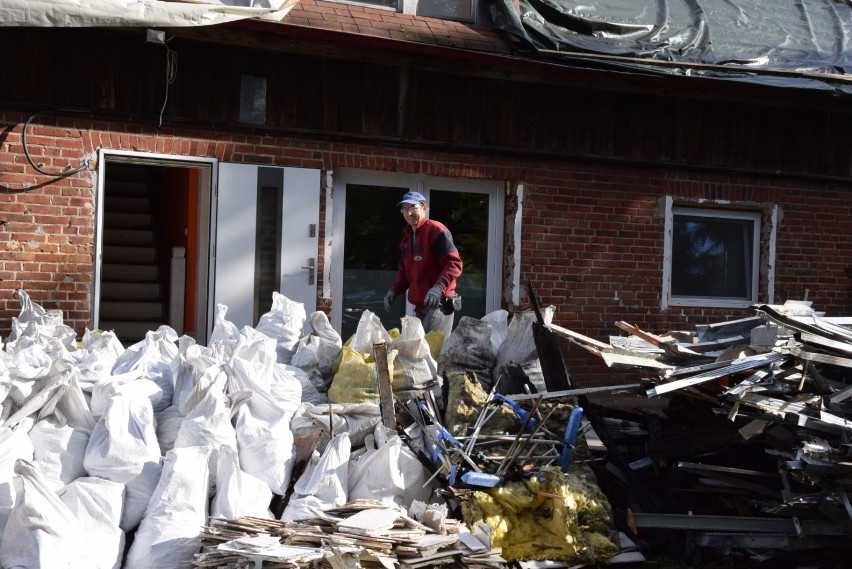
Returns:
(791, 43)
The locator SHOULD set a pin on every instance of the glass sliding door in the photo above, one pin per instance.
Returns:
(365, 260)
(373, 232)
(466, 216)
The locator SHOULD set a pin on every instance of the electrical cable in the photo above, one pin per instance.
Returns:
(33, 164)
(171, 73)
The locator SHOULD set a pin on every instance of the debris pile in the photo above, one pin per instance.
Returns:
(274, 447)
(737, 440)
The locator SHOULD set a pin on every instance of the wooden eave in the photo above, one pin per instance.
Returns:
(492, 62)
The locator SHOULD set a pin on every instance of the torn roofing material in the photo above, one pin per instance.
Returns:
(801, 44)
(142, 13)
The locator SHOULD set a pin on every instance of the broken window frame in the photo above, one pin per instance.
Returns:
(760, 280)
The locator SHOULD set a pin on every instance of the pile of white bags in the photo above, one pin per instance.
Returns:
(102, 446)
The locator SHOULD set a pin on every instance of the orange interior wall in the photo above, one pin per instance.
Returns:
(182, 185)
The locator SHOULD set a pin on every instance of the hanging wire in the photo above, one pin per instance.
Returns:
(171, 72)
(38, 169)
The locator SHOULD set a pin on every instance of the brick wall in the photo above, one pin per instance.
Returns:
(592, 237)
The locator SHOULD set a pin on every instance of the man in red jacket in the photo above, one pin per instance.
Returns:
(429, 265)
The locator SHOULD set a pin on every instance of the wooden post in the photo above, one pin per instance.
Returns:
(380, 353)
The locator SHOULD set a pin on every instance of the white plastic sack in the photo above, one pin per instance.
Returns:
(369, 332)
(14, 444)
(316, 353)
(96, 504)
(324, 483)
(169, 535)
(24, 368)
(34, 320)
(207, 420)
(310, 392)
(41, 532)
(264, 438)
(60, 450)
(355, 419)
(283, 323)
(238, 493)
(152, 358)
(224, 332)
(130, 384)
(5, 378)
(414, 368)
(388, 471)
(44, 394)
(499, 320)
(96, 357)
(124, 449)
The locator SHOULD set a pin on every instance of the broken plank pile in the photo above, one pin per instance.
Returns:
(362, 533)
(739, 440)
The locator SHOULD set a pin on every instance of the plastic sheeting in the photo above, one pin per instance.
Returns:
(804, 43)
(142, 13)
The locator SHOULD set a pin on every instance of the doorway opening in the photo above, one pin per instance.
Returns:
(152, 246)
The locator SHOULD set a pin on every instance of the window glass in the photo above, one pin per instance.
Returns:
(267, 269)
(365, 260)
(461, 10)
(373, 232)
(466, 216)
(714, 255)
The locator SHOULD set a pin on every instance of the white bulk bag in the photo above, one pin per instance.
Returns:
(14, 444)
(283, 323)
(264, 439)
(324, 483)
(388, 471)
(152, 358)
(170, 533)
(60, 450)
(238, 493)
(97, 504)
(123, 448)
(41, 532)
(414, 368)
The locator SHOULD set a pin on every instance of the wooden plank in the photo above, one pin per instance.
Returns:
(668, 344)
(380, 352)
(579, 337)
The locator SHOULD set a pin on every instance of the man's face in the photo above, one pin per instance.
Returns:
(413, 213)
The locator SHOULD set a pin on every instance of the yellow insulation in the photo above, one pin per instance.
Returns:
(554, 515)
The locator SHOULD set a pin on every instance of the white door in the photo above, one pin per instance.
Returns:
(266, 237)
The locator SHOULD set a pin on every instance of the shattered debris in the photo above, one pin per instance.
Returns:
(380, 451)
(738, 440)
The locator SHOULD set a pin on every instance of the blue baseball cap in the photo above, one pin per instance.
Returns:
(413, 198)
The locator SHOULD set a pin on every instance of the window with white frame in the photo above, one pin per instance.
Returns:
(712, 257)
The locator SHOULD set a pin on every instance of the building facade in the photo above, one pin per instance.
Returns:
(145, 184)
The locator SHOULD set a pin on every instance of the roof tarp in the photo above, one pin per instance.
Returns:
(144, 13)
(804, 43)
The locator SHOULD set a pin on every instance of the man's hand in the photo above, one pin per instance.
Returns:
(433, 297)
(390, 297)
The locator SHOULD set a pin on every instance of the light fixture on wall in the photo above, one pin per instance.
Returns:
(155, 36)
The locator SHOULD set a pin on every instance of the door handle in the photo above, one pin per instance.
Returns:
(311, 268)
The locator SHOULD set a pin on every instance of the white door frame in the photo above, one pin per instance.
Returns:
(163, 160)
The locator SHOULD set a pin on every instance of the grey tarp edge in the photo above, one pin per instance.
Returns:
(803, 44)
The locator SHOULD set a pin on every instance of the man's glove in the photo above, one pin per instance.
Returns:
(389, 298)
(433, 297)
